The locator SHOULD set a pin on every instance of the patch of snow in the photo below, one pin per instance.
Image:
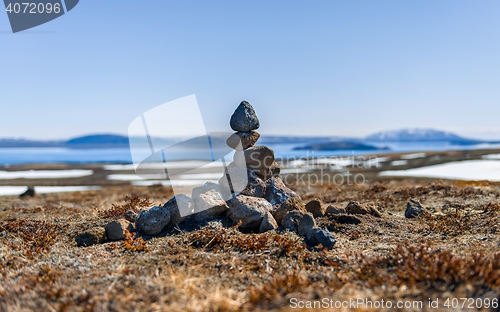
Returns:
(44, 174)
(459, 170)
(18, 190)
(399, 162)
(413, 156)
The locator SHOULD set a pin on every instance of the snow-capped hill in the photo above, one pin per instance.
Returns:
(417, 135)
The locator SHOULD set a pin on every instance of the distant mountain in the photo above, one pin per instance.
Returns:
(341, 146)
(98, 140)
(420, 135)
(29, 143)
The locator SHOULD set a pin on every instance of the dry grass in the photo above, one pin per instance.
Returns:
(449, 252)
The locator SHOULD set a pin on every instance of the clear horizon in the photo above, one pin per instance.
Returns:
(344, 69)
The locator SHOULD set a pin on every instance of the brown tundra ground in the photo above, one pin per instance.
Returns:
(451, 252)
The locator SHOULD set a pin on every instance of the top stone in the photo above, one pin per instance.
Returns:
(244, 118)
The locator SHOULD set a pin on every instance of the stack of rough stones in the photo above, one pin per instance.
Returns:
(251, 193)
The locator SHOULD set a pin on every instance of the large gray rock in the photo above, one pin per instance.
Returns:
(290, 204)
(208, 201)
(96, 235)
(299, 222)
(277, 192)
(257, 158)
(243, 181)
(317, 236)
(249, 210)
(413, 209)
(180, 206)
(152, 221)
(115, 230)
(316, 207)
(244, 118)
(268, 223)
(242, 140)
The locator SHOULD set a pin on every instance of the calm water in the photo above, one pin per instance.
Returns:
(12, 156)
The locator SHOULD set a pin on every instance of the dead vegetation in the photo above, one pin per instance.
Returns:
(448, 252)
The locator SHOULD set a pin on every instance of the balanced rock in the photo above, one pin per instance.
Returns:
(315, 206)
(243, 181)
(153, 220)
(249, 210)
(277, 192)
(179, 206)
(357, 208)
(242, 140)
(290, 204)
(335, 210)
(115, 230)
(257, 158)
(299, 222)
(413, 209)
(317, 236)
(208, 201)
(244, 118)
(96, 235)
(268, 223)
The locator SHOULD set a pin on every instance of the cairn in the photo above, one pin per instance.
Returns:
(250, 193)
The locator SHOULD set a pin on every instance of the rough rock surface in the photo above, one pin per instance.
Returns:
(242, 140)
(268, 223)
(315, 206)
(152, 221)
(208, 201)
(299, 222)
(317, 236)
(115, 230)
(130, 215)
(244, 181)
(257, 158)
(249, 210)
(290, 204)
(335, 210)
(413, 209)
(277, 192)
(357, 208)
(180, 206)
(96, 235)
(244, 118)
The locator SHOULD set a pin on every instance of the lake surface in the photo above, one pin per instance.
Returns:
(40, 155)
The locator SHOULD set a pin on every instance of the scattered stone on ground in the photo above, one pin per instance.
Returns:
(290, 204)
(152, 221)
(316, 207)
(268, 223)
(178, 214)
(95, 235)
(249, 210)
(130, 215)
(115, 230)
(30, 192)
(335, 210)
(357, 208)
(321, 236)
(413, 209)
(298, 222)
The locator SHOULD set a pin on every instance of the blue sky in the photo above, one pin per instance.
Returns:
(345, 68)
